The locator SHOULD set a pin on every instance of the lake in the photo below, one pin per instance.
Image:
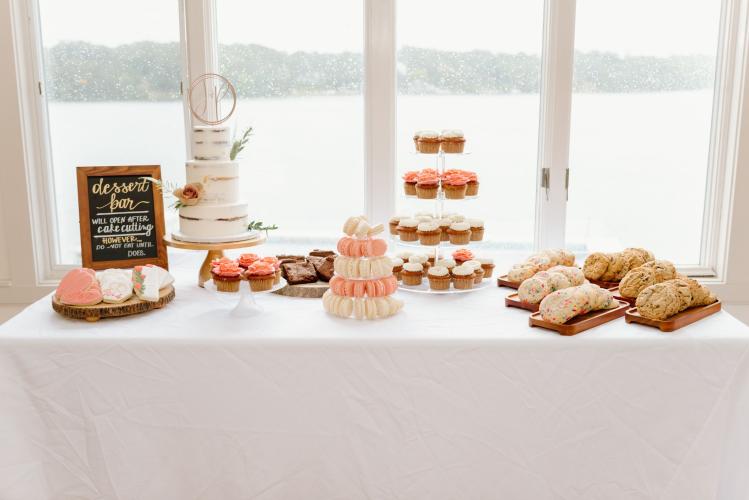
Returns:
(638, 163)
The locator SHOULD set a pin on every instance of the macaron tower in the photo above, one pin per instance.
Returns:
(363, 282)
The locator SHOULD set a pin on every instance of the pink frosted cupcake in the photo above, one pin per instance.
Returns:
(427, 185)
(227, 275)
(409, 183)
(276, 266)
(261, 276)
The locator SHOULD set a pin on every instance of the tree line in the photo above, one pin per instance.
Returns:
(150, 71)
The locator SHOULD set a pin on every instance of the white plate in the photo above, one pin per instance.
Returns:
(424, 288)
(249, 235)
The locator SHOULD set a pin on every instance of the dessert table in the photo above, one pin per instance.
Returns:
(454, 397)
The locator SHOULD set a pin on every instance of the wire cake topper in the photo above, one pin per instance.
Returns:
(212, 98)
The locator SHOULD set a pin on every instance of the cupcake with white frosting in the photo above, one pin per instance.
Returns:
(459, 233)
(444, 225)
(452, 141)
(412, 273)
(422, 259)
(397, 267)
(428, 142)
(439, 278)
(477, 229)
(488, 266)
(429, 233)
(407, 229)
(478, 272)
(463, 277)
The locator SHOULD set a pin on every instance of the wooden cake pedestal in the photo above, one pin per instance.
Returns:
(214, 251)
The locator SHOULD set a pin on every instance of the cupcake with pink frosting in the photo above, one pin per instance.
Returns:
(261, 275)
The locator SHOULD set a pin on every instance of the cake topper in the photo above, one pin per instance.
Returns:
(212, 98)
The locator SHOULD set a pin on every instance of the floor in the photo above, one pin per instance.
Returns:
(740, 311)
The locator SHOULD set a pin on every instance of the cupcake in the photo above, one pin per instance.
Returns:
(478, 272)
(452, 141)
(455, 186)
(427, 185)
(472, 188)
(397, 267)
(463, 277)
(459, 233)
(246, 259)
(488, 266)
(276, 267)
(439, 278)
(462, 255)
(412, 273)
(417, 134)
(409, 183)
(444, 225)
(429, 233)
(261, 276)
(407, 229)
(226, 274)
(477, 229)
(404, 255)
(424, 218)
(420, 259)
(394, 223)
(428, 142)
(457, 218)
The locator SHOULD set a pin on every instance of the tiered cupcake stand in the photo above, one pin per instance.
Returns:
(439, 209)
(247, 306)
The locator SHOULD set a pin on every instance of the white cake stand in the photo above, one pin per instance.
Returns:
(247, 306)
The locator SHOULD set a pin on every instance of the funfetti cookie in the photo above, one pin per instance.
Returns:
(147, 282)
(116, 285)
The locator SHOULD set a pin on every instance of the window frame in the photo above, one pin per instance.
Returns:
(198, 42)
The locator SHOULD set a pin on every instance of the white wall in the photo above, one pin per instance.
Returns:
(18, 271)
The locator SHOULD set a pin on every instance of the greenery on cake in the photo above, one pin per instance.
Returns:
(239, 144)
(257, 225)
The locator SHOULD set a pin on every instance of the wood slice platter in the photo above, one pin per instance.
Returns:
(503, 281)
(133, 305)
(306, 290)
(608, 285)
(630, 300)
(513, 300)
(580, 323)
(673, 323)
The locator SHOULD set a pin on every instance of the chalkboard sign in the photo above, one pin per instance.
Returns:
(121, 216)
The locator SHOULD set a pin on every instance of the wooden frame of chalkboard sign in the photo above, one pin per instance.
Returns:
(121, 217)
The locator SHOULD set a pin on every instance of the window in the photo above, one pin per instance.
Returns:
(641, 116)
(475, 68)
(112, 95)
(645, 130)
(299, 79)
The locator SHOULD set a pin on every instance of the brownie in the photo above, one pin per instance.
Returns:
(324, 268)
(297, 273)
(290, 257)
(321, 253)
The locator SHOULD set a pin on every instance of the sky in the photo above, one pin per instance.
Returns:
(627, 27)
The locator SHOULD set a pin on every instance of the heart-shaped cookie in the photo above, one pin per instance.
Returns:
(79, 288)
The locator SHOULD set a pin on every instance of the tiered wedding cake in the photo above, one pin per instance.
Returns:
(218, 215)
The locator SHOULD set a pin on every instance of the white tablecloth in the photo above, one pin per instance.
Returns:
(454, 398)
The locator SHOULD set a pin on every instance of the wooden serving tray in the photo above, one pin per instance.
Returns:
(133, 305)
(630, 300)
(502, 281)
(513, 300)
(580, 323)
(608, 285)
(673, 323)
(307, 290)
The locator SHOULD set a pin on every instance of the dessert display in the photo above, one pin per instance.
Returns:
(210, 207)
(428, 183)
(541, 261)
(612, 267)
(363, 283)
(562, 305)
(85, 294)
(429, 230)
(663, 300)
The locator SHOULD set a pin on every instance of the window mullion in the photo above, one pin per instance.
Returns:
(554, 123)
(379, 108)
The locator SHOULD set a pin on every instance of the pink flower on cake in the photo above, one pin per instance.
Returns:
(190, 194)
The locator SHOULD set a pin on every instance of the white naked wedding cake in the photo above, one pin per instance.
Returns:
(210, 208)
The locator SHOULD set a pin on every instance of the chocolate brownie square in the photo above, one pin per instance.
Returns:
(324, 268)
(321, 253)
(298, 273)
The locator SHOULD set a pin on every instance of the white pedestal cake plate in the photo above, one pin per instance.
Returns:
(246, 306)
